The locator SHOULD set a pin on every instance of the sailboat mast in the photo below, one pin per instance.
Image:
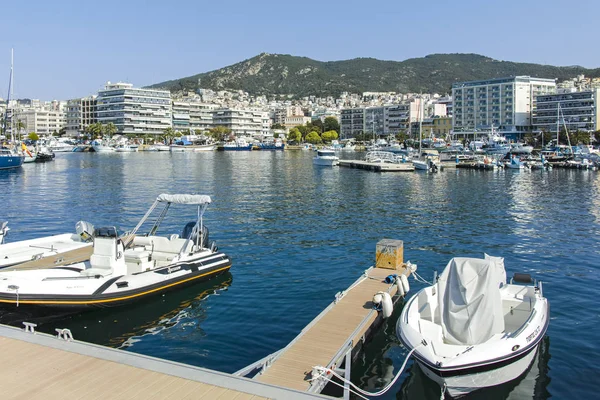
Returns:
(557, 122)
(420, 116)
(8, 95)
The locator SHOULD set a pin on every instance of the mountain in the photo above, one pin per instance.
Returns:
(301, 76)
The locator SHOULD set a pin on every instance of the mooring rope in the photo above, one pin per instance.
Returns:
(323, 371)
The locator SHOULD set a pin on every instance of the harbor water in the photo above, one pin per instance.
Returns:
(297, 234)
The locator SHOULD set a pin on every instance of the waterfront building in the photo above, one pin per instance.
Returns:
(295, 120)
(579, 109)
(503, 103)
(80, 113)
(193, 115)
(352, 122)
(242, 122)
(42, 121)
(442, 126)
(134, 111)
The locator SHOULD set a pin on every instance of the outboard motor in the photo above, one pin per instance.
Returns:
(85, 230)
(188, 229)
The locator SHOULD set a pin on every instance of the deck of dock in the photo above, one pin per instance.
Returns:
(378, 167)
(41, 366)
(334, 334)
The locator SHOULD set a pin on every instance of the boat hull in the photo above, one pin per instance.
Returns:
(238, 148)
(464, 382)
(108, 294)
(325, 161)
(12, 161)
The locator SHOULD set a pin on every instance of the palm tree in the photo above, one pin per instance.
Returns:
(19, 125)
(109, 129)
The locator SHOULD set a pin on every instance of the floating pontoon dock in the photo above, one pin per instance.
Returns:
(377, 166)
(337, 334)
(41, 366)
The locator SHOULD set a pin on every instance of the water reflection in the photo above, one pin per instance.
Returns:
(124, 326)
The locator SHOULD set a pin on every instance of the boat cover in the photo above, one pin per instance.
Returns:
(469, 298)
(184, 198)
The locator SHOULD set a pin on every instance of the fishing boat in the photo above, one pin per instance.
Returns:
(429, 161)
(514, 162)
(159, 147)
(473, 329)
(239, 144)
(49, 250)
(124, 268)
(276, 144)
(326, 157)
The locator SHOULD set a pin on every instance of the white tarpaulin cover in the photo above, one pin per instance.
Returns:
(469, 298)
(183, 198)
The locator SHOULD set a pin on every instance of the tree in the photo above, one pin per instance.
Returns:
(276, 135)
(19, 126)
(313, 137)
(95, 130)
(294, 135)
(109, 129)
(169, 133)
(401, 136)
(303, 130)
(33, 136)
(331, 124)
(328, 136)
(219, 132)
(317, 123)
(277, 126)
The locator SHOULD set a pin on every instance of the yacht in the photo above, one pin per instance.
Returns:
(520, 148)
(429, 160)
(101, 146)
(126, 148)
(326, 157)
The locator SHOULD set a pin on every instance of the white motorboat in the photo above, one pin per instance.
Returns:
(126, 148)
(471, 329)
(100, 146)
(123, 269)
(326, 157)
(429, 161)
(159, 147)
(192, 147)
(3, 231)
(520, 148)
(55, 249)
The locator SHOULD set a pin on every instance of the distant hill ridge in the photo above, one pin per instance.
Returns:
(268, 74)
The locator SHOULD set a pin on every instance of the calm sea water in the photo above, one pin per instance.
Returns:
(298, 234)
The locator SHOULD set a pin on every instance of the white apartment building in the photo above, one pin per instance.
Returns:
(381, 121)
(503, 103)
(134, 111)
(242, 122)
(80, 113)
(579, 110)
(44, 122)
(193, 115)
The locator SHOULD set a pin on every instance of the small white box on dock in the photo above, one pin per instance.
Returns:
(389, 254)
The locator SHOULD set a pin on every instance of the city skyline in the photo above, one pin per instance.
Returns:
(71, 49)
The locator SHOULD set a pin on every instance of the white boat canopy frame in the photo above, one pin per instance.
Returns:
(202, 201)
(196, 199)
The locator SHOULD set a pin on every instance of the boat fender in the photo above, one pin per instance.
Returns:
(377, 301)
(387, 307)
(405, 285)
(400, 290)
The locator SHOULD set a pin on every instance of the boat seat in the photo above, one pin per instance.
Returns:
(160, 244)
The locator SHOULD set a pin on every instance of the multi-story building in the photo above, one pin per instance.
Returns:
(43, 121)
(295, 120)
(442, 126)
(379, 121)
(505, 104)
(242, 122)
(134, 111)
(579, 111)
(193, 115)
(79, 114)
(352, 122)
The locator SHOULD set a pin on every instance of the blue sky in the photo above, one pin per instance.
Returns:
(67, 49)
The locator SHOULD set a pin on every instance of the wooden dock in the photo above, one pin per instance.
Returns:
(378, 167)
(332, 338)
(41, 366)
